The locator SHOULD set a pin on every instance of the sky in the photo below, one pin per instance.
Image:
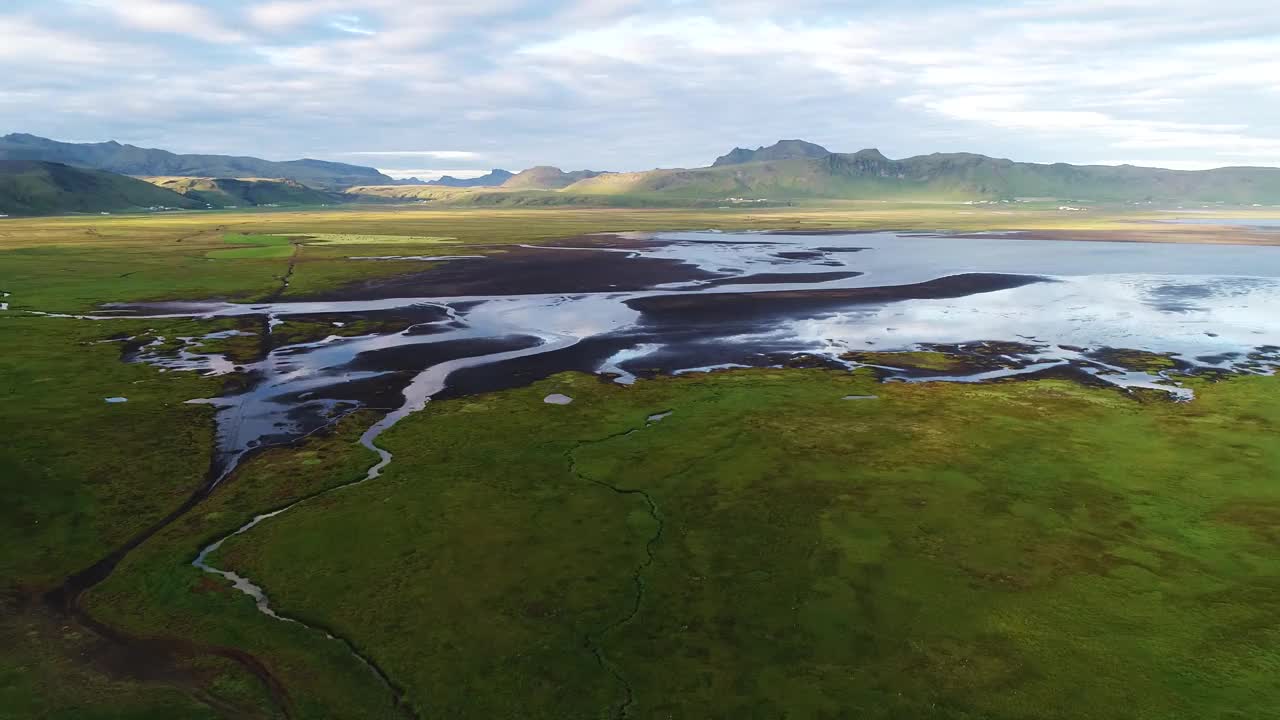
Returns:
(427, 87)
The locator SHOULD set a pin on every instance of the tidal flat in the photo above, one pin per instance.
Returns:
(1063, 481)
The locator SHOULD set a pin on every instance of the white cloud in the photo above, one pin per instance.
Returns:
(437, 154)
(24, 40)
(1167, 164)
(287, 13)
(430, 174)
(169, 16)
(625, 84)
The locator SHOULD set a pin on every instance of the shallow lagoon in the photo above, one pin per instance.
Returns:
(1210, 307)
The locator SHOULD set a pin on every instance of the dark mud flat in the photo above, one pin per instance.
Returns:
(528, 271)
(736, 307)
(782, 278)
(818, 233)
(394, 320)
(734, 241)
(585, 356)
(416, 358)
(800, 255)
(381, 392)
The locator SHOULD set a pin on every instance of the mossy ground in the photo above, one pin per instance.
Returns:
(1032, 549)
(910, 360)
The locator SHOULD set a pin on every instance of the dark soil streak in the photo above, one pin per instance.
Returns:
(526, 271)
(288, 274)
(398, 693)
(146, 651)
(265, 342)
(593, 641)
(66, 597)
(401, 701)
(66, 600)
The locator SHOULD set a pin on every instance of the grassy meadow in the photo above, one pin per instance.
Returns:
(1025, 549)
(768, 550)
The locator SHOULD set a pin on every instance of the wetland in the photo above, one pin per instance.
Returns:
(617, 474)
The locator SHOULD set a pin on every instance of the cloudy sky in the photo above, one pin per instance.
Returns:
(427, 86)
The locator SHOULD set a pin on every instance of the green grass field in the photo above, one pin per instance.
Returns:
(768, 550)
(1031, 549)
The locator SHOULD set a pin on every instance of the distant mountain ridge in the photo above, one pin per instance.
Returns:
(145, 162)
(781, 150)
(32, 187)
(794, 169)
(787, 171)
(493, 178)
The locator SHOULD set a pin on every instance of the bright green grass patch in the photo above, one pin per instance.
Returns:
(265, 252)
(250, 239)
(1033, 549)
(351, 239)
(260, 247)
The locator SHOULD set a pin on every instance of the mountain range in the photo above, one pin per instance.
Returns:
(781, 150)
(794, 169)
(545, 177)
(146, 162)
(40, 176)
(493, 178)
(31, 187)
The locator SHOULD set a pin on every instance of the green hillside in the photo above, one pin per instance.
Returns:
(781, 150)
(234, 192)
(546, 178)
(868, 174)
(43, 188)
